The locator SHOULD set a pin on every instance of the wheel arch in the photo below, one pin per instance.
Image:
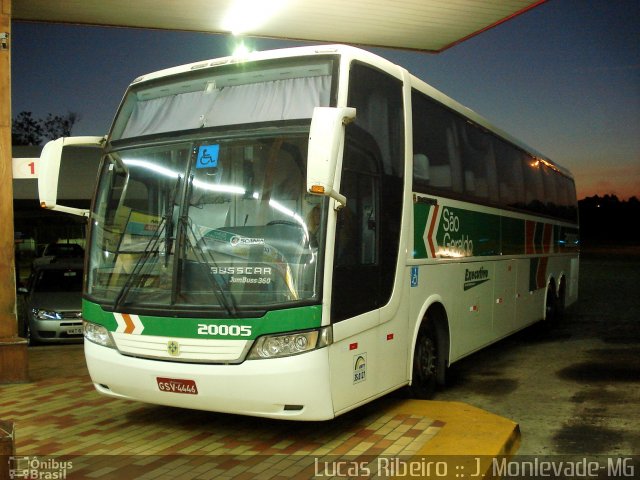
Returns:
(550, 288)
(433, 311)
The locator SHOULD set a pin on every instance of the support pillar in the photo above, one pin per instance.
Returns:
(13, 350)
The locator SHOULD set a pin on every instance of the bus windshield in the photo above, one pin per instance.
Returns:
(201, 206)
(212, 223)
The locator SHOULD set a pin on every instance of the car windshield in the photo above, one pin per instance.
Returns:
(54, 280)
(64, 250)
(215, 222)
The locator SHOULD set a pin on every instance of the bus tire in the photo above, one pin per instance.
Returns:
(426, 362)
(551, 306)
(561, 303)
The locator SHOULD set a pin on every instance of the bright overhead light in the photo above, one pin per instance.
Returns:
(245, 16)
(241, 51)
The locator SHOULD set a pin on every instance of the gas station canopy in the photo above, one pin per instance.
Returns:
(426, 25)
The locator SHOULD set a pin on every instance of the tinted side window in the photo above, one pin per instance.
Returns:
(378, 101)
(510, 180)
(356, 241)
(456, 158)
(436, 162)
(368, 229)
(478, 162)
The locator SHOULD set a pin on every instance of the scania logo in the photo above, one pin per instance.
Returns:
(173, 348)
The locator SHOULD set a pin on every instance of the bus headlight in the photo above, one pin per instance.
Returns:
(292, 343)
(98, 334)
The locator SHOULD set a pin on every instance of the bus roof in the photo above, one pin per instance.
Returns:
(354, 53)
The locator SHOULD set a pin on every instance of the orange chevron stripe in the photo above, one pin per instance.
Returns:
(529, 235)
(432, 227)
(541, 274)
(130, 325)
(546, 238)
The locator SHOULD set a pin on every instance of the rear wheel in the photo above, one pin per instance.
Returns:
(425, 363)
(560, 307)
(551, 307)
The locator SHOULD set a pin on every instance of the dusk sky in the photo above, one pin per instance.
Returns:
(564, 78)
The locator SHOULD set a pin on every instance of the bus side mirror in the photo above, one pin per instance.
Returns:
(326, 143)
(49, 171)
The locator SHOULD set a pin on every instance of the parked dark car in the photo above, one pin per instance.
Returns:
(59, 251)
(52, 304)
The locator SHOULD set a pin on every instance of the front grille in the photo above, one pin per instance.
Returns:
(194, 350)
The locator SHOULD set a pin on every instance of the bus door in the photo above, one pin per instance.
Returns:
(504, 296)
(364, 359)
(355, 298)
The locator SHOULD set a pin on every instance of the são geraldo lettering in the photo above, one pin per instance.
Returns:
(453, 241)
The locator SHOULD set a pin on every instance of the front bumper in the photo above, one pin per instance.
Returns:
(296, 387)
(56, 331)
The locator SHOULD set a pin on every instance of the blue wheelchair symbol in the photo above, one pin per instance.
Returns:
(414, 276)
(208, 156)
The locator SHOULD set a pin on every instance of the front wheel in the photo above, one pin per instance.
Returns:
(425, 363)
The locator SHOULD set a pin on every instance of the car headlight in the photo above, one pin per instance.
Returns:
(98, 334)
(292, 343)
(46, 314)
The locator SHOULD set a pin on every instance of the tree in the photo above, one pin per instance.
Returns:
(27, 130)
(56, 127)
(607, 220)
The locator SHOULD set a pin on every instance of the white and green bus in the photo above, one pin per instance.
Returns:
(294, 233)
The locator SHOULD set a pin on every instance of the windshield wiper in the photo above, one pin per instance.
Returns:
(224, 297)
(168, 220)
(166, 226)
(135, 275)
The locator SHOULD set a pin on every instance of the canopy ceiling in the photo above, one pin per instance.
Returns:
(427, 25)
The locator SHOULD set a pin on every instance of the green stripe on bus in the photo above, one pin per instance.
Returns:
(420, 215)
(457, 232)
(275, 321)
(512, 236)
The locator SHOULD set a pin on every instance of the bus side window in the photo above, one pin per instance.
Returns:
(564, 201)
(356, 259)
(550, 191)
(534, 190)
(431, 144)
(356, 242)
(509, 170)
(477, 157)
(572, 205)
(373, 169)
(453, 150)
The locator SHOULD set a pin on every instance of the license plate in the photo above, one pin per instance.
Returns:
(177, 385)
(74, 331)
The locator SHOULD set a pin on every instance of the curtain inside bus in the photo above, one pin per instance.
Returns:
(288, 99)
